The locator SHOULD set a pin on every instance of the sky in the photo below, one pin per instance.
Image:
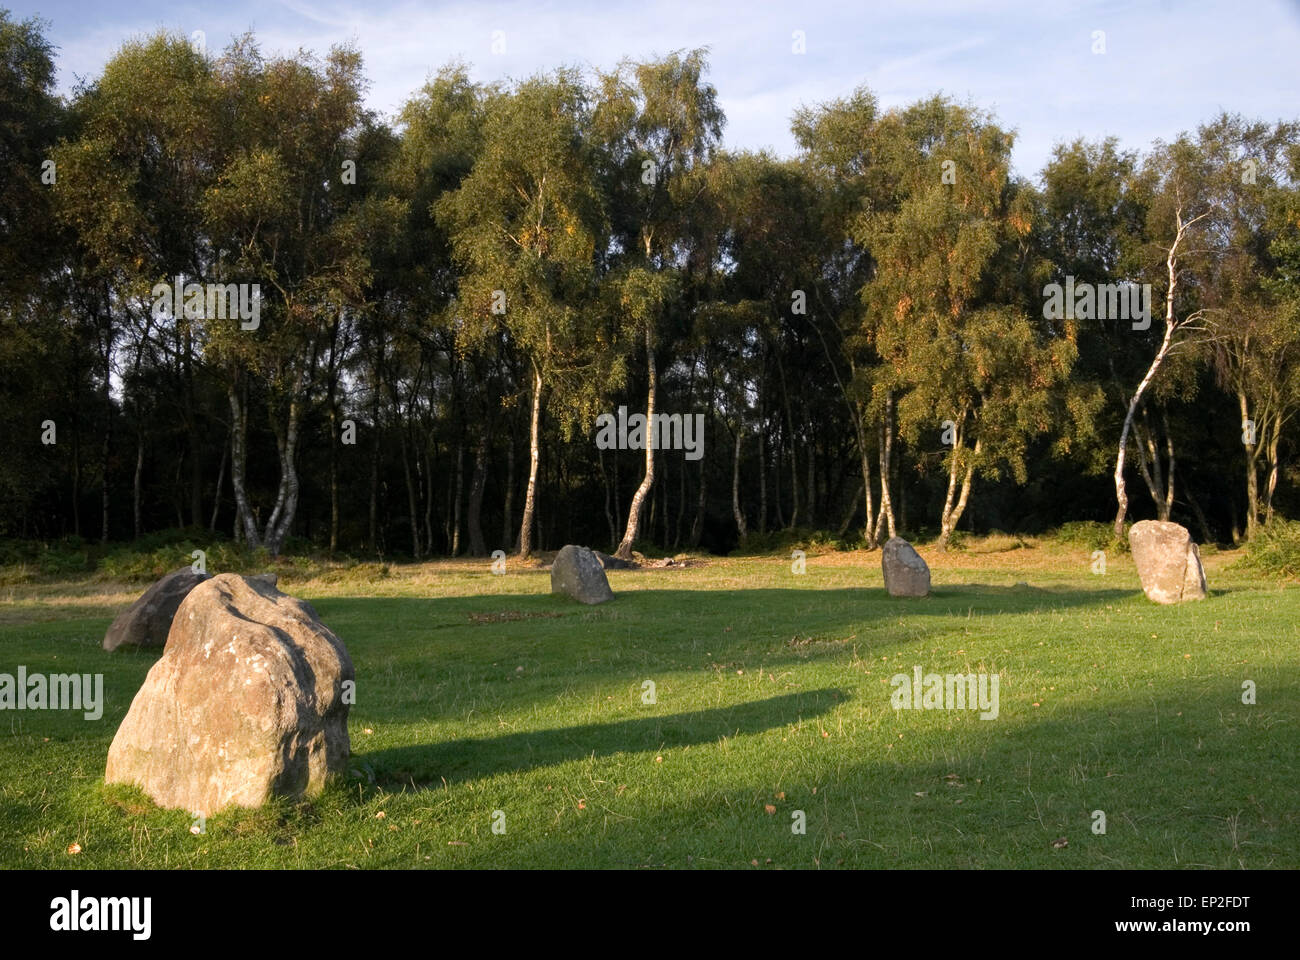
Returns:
(1139, 70)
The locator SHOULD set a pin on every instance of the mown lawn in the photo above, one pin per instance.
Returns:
(480, 693)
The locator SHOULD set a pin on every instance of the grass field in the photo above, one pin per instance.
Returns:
(479, 693)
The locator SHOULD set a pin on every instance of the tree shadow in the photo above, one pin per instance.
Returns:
(1183, 779)
(434, 658)
(425, 766)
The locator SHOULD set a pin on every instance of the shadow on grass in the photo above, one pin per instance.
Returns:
(424, 766)
(854, 602)
(1186, 780)
(436, 658)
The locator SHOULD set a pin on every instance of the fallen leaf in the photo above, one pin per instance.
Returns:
(74, 848)
(1060, 842)
(769, 808)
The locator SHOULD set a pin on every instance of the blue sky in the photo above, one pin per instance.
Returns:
(1168, 65)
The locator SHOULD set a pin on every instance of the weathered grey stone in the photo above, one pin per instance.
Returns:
(249, 699)
(614, 563)
(578, 573)
(1168, 561)
(145, 623)
(906, 574)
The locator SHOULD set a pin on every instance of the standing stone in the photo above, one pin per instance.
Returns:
(1168, 561)
(614, 563)
(578, 573)
(249, 699)
(145, 623)
(906, 574)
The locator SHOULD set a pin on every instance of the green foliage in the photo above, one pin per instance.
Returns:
(1274, 549)
(23, 561)
(781, 542)
(140, 565)
(1090, 534)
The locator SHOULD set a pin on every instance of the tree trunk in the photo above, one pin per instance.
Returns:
(373, 532)
(1169, 476)
(76, 477)
(1207, 535)
(177, 501)
(192, 428)
(456, 501)
(701, 502)
(136, 482)
(477, 545)
(1121, 493)
(886, 515)
(794, 460)
(104, 453)
(901, 489)
(864, 456)
(534, 458)
(852, 511)
(1252, 469)
(952, 511)
(237, 394)
(334, 460)
(812, 483)
(221, 478)
(430, 451)
(1159, 483)
(412, 511)
(1271, 487)
(286, 500)
(609, 513)
(1171, 326)
(624, 550)
(509, 517)
(737, 514)
(681, 506)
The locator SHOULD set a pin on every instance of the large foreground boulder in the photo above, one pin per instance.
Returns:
(249, 699)
(1167, 561)
(578, 573)
(146, 622)
(906, 574)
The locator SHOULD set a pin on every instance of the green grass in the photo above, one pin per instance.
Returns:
(479, 693)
